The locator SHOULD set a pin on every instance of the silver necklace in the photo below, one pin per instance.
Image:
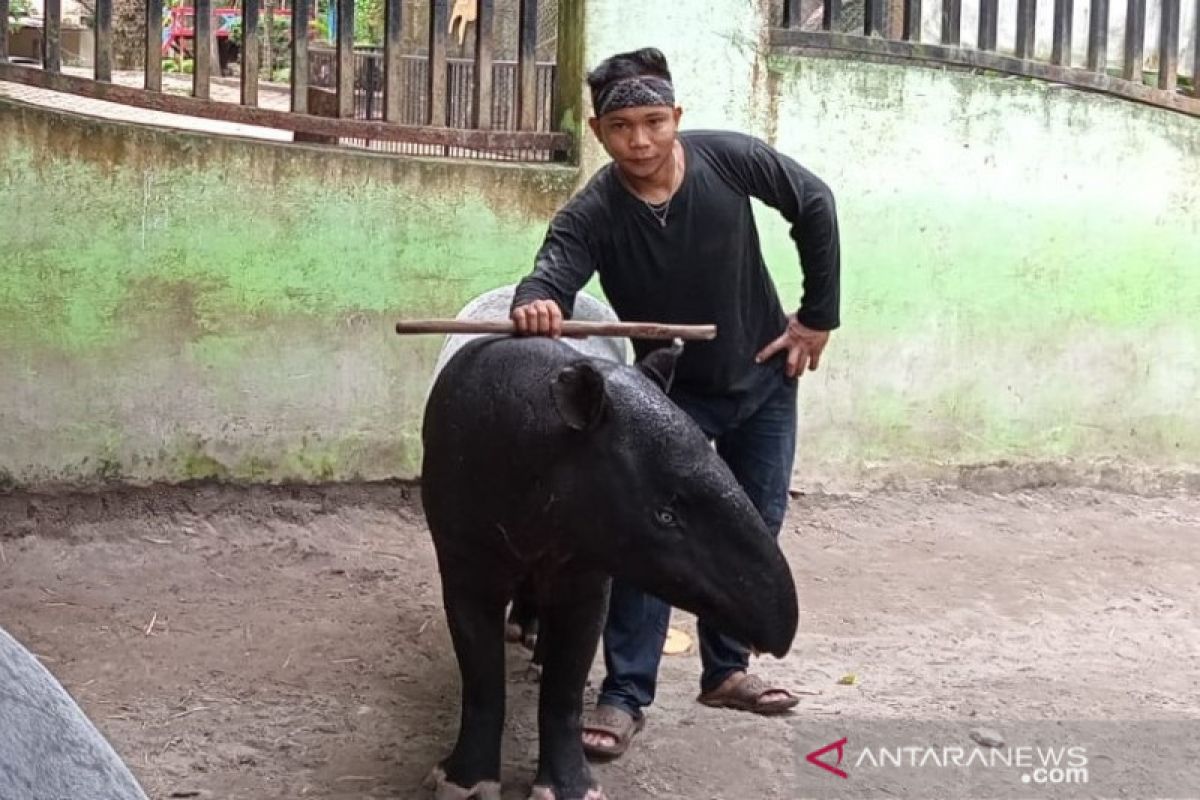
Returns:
(660, 210)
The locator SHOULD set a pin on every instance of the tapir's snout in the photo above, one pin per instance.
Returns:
(782, 643)
(765, 620)
(746, 593)
(783, 623)
(779, 615)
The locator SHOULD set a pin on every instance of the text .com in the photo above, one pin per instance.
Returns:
(1056, 776)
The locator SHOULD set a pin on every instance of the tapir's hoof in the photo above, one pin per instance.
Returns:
(546, 793)
(445, 790)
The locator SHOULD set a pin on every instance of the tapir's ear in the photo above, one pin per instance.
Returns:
(659, 366)
(580, 396)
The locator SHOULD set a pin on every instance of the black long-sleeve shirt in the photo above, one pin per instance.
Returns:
(705, 265)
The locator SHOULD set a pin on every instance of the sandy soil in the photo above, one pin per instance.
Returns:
(261, 643)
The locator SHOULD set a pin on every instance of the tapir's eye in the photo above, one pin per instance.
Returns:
(666, 517)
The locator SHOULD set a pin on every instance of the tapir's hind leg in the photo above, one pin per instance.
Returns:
(572, 617)
(475, 612)
(522, 618)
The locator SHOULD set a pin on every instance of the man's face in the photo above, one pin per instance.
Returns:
(640, 139)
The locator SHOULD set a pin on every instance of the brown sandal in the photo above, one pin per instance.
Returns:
(747, 695)
(615, 722)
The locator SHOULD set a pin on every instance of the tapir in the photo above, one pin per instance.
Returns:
(547, 466)
(493, 305)
(49, 750)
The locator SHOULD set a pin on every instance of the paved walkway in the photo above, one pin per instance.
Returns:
(269, 97)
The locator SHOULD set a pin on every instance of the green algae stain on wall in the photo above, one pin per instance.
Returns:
(991, 265)
(239, 251)
(173, 307)
(1015, 265)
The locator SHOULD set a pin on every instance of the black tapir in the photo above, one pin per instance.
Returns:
(542, 462)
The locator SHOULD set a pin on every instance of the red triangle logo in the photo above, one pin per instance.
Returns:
(815, 757)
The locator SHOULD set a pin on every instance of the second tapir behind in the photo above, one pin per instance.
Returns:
(540, 462)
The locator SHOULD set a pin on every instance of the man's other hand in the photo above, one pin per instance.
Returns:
(803, 346)
(539, 318)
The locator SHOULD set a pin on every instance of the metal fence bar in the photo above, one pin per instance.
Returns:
(504, 96)
(462, 78)
(989, 11)
(873, 14)
(831, 14)
(527, 66)
(951, 22)
(103, 58)
(299, 54)
(1196, 53)
(52, 36)
(249, 52)
(3, 31)
(268, 44)
(439, 15)
(202, 47)
(1061, 49)
(418, 102)
(912, 20)
(153, 75)
(545, 90)
(1026, 27)
(482, 101)
(1168, 46)
(345, 58)
(791, 13)
(393, 33)
(1135, 36)
(1097, 52)
(370, 72)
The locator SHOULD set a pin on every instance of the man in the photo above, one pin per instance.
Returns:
(669, 229)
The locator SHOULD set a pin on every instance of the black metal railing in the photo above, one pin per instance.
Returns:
(413, 73)
(427, 101)
(369, 88)
(879, 29)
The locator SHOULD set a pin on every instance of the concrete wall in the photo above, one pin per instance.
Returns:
(1022, 269)
(1021, 261)
(178, 306)
(1021, 274)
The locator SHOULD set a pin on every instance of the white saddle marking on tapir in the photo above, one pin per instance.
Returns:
(494, 305)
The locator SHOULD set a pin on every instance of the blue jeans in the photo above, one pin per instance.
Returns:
(756, 436)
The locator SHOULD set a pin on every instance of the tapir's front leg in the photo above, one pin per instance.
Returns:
(572, 617)
(475, 612)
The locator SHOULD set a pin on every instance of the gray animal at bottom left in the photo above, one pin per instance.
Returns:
(49, 749)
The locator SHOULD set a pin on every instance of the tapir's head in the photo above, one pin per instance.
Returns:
(659, 508)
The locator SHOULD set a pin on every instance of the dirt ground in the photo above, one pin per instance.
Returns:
(246, 644)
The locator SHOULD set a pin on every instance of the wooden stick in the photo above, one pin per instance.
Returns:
(571, 328)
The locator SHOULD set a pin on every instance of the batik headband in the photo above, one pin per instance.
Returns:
(642, 90)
